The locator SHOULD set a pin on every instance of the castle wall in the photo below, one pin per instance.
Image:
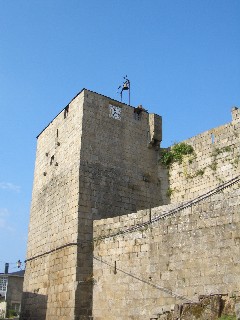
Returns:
(89, 165)
(193, 251)
(216, 159)
(50, 275)
(115, 162)
(96, 163)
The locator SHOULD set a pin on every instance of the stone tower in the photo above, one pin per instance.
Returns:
(96, 159)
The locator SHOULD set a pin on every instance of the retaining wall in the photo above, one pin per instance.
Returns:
(193, 251)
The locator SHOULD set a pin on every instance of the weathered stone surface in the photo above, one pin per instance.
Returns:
(89, 165)
(96, 181)
(168, 267)
(237, 310)
(216, 158)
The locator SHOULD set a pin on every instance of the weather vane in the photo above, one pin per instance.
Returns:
(124, 87)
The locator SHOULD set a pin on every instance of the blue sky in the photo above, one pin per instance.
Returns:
(181, 56)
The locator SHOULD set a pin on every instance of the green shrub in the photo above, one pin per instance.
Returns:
(175, 154)
(11, 313)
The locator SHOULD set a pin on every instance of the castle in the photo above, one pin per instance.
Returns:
(117, 234)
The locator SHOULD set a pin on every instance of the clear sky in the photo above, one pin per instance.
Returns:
(181, 56)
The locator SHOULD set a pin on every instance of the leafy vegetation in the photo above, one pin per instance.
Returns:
(213, 165)
(227, 318)
(200, 172)
(236, 161)
(217, 151)
(169, 192)
(12, 313)
(175, 154)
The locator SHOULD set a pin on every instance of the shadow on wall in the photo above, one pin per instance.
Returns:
(34, 306)
(112, 193)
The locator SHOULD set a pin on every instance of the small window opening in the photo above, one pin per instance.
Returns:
(57, 133)
(212, 137)
(66, 111)
(51, 161)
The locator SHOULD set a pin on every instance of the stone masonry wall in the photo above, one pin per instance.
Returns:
(195, 251)
(116, 159)
(97, 165)
(89, 165)
(14, 291)
(216, 159)
(115, 162)
(50, 275)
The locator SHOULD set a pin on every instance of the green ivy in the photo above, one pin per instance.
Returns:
(175, 154)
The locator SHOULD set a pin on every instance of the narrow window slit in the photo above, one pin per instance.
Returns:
(66, 111)
(212, 137)
(51, 161)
